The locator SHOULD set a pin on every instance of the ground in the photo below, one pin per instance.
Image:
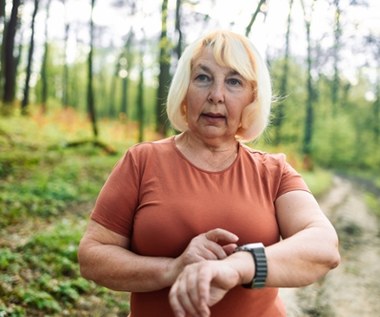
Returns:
(353, 288)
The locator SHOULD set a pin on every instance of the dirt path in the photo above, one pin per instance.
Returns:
(352, 289)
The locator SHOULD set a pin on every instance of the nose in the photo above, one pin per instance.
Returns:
(216, 94)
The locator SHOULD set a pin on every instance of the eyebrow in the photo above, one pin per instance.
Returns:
(208, 70)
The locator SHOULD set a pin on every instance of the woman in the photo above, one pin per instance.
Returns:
(199, 224)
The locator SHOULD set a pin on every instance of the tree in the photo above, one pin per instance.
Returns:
(336, 57)
(164, 75)
(90, 78)
(178, 28)
(140, 94)
(309, 118)
(25, 100)
(280, 110)
(126, 62)
(254, 16)
(65, 75)
(2, 27)
(9, 61)
(44, 68)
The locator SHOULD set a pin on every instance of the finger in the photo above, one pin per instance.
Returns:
(192, 286)
(174, 302)
(204, 292)
(186, 295)
(230, 248)
(215, 251)
(221, 236)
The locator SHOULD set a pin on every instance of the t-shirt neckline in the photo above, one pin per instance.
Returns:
(182, 156)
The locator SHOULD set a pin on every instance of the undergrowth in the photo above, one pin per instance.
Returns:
(46, 194)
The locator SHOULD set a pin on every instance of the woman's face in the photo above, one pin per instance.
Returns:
(215, 98)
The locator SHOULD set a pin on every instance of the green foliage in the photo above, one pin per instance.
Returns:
(8, 258)
(11, 311)
(343, 136)
(373, 203)
(46, 192)
(40, 300)
(319, 181)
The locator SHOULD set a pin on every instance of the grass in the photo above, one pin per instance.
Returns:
(319, 181)
(46, 194)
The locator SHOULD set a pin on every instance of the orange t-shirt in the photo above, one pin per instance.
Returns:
(160, 201)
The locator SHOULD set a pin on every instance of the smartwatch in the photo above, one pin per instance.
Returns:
(257, 250)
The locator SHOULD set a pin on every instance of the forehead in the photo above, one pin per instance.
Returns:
(207, 61)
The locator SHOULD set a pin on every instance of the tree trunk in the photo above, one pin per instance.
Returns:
(112, 113)
(279, 115)
(2, 26)
(126, 61)
(65, 75)
(140, 98)
(309, 118)
(336, 56)
(44, 75)
(90, 86)
(25, 100)
(9, 61)
(254, 16)
(164, 75)
(178, 28)
(376, 114)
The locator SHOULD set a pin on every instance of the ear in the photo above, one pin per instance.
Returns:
(184, 109)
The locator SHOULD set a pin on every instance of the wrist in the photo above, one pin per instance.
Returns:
(257, 252)
(244, 265)
(172, 269)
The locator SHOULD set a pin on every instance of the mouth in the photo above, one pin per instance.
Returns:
(213, 116)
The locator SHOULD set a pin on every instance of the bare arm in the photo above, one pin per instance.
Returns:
(309, 249)
(104, 258)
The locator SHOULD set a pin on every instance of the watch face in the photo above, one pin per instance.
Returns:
(253, 245)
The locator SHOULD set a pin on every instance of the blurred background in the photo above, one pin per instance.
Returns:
(82, 80)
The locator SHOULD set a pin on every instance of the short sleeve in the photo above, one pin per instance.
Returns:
(118, 199)
(290, 179)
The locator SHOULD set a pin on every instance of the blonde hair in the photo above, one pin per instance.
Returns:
(229, 50)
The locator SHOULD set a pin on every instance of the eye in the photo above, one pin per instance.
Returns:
(202, 78)
(234, 81)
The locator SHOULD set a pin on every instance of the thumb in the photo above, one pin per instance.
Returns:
(229, 248)
(221, 236)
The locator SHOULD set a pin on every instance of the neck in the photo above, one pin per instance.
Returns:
(211, 156)
(214, 146)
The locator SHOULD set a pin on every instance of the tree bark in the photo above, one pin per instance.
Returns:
(90, 86)
(44, 72)
(280, 113)
(164, 75)
(9, 61)
(336, 56)
(254, 16)
(178, 28)
(25, 100)
(309, 118)
(127, 57)
(65, 75)
(140, 97)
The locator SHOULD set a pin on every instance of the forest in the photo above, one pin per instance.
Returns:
(82, 80)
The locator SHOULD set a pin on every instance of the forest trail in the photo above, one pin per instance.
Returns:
(352, 289)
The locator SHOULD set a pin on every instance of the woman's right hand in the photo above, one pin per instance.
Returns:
(215, 244)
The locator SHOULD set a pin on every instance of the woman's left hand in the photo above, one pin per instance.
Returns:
(201, 285)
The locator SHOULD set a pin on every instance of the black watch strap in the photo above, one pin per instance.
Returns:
(257, 250)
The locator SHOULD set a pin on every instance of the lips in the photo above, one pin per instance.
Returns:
(214, 115)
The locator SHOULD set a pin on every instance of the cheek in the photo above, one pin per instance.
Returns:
(193, 103)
